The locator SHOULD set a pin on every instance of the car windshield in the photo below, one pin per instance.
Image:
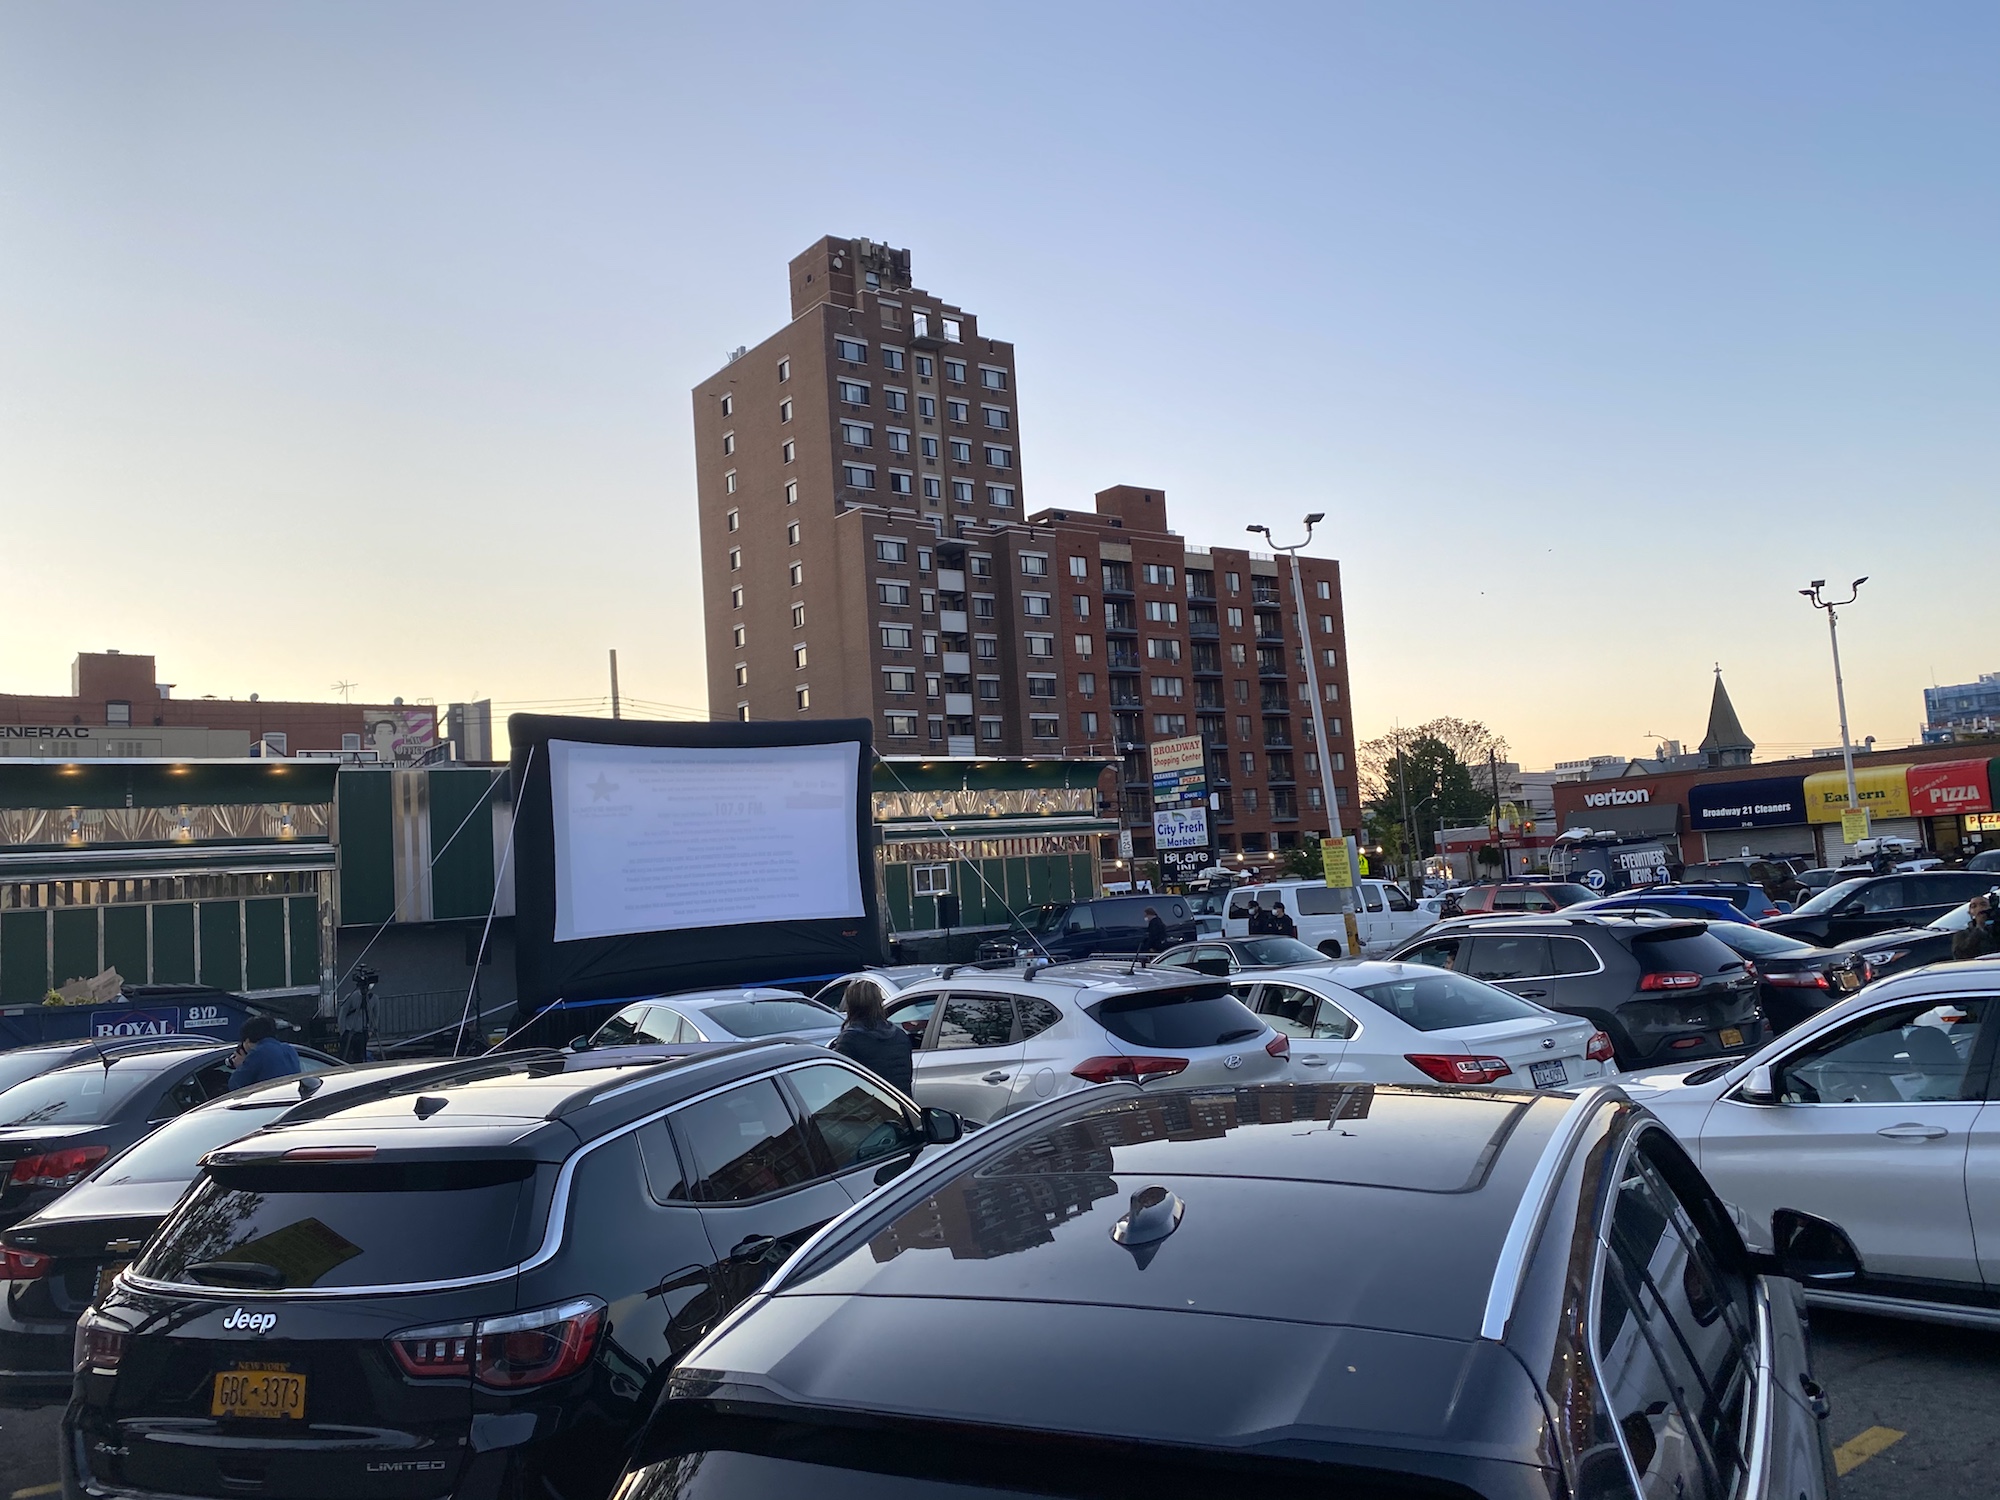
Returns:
(1044, 918)
(1278, 950)
(1829, 898)
(1438, 1000)
(81, 1094)
(173, 1153)
(1755, 942)
(755, 1018)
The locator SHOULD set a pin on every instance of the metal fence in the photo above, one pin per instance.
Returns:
(429, 1010)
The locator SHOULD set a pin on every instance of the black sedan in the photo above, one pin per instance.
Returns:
(58, 1124)
(1903, 948)
(1794, 979)
(1133, 1292)
(1878, 903)
(1233, 955)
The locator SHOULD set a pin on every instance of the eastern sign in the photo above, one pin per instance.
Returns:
(1766, 802)
(1882, 791)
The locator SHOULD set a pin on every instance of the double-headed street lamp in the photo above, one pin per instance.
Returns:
(1839, 687)
(1318, 719)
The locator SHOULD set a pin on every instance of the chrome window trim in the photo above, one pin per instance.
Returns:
(1510, 1267)
(1300, 982)
(552, 1236)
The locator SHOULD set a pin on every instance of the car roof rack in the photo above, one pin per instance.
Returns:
(444, 1074)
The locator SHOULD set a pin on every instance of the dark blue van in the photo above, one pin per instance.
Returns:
(1110, 926)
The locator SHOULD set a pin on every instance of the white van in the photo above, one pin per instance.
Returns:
(1385, 917)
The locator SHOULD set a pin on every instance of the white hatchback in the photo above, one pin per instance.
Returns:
(993, 1041)
(1409, 1023)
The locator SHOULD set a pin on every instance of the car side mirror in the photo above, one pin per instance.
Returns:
(1759, 1087)
(579, 1044)
(941, 1126)
(1812, 1251)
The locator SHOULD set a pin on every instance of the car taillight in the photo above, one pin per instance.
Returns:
(57, 1169)
(1797, 979)
(1673, 980)
(1280, 1046)
(1448, 1069)
(98, 1348)
(22, 1265)
(1600, 1048)
(522, 1349)
(1130, 1069)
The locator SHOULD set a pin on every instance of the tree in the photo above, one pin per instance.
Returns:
(1468, 740)
(1445, 788)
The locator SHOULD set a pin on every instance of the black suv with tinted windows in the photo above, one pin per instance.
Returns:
(473, 1291)
(1108, 926)
(1662, 990)
(1879, 903)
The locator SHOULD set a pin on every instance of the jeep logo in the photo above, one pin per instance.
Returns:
(250, 1322)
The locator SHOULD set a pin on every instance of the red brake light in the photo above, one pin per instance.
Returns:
(1797, 979)
(1672, 980)
(1600, 1048)
(22, 1265)
(56, 1169)
(434, 1353)
(97, 1348)
(1280, 1046)
(1129, 1069)
(524, 1349)
(1454, 1069)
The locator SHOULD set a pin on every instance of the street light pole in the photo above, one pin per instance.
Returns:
(1334, 830)
(1839, 686)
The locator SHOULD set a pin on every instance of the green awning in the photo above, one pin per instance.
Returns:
(115, 782)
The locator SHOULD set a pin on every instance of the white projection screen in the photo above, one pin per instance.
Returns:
(662, 838)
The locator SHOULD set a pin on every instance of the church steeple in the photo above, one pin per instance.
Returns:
(1725, 744)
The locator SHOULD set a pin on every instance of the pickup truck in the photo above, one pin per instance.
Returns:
(1384, 917)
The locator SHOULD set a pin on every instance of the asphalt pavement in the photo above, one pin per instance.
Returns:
(1916, 1411)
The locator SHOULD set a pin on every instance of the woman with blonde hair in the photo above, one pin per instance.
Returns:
(868, 1037)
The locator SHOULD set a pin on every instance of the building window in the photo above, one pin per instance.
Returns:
(728, 443)
(804, 697)
(989, 689)
(1235, 619)
(1239, 656)
(952, 331)
(792, 534)
(119, 712)
(742, 675)
(1243, 726)
(732, 520)
(895, 595)
(798, 617)
(954, 371)
(792, 492)
(1163, 650)
(924, 366)
(1040, 686)
(1326, 624)
(1079, 568)
(1036, 606)
(735, 559)
(1043, 646)
(933, 487)
(898, 680)
(1035, 564)
(899, 440)
(1081, 605)
(729, 483)
(1086, 684)
(892, 359)
(1234, 582)
(958, 411)
(857, 434)
(1162, 611)
(859, 476)
(900, 481)
(1087, 722)
(986, 648)
(1000, 495)
(927, 408)
(784, 371)
(961, 453)
(890, 549)
(1082, 645)
(728, 405)
(1313, 798)
(788, 451)
(1324, 589)
(798, 656)
(996, 418)
(930, 643)
(895, 637)
(854, 351)
(1249, 799)
(1168, 724)
(936, 728)
(999, 458)
(1332, 692)
(798, 574)
(894, 400)
(1326, 657)
(961, 491)
(1242, 691)
(989, 730)
(901, 726)
(1158, 573)
(928, 446)
(743, 713)
(992, 379)
(982, 607)
(1164, 687)
(736, 597)
(1044, 726)
(736, 635)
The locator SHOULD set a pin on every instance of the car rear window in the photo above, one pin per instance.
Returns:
(1755, 942)
(1684, 950)
(17, 1067)
(82, 1094)
(272, 1227)
(754, 1018)
(1438, 1000)
(173, 1153)
(1278, 950)
(1178, 1019)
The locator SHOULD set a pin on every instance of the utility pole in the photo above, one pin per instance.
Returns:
(1839, 687)
(1334, 831)
(1409, 828)
(614, 682)
(1493, 770)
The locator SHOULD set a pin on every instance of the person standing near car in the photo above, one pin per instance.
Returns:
(1282, 924)
(868, 1037)
(260, 1056)
(1977, 940)
(1156, 932)
(352, 1020)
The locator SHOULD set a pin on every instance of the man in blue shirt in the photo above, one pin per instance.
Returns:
(264, 1057)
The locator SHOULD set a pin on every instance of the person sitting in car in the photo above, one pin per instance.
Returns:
(869, 1038)
(260, 1056)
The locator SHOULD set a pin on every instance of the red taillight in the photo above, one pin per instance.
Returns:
(22, 1265)
(508, 1353)
(97, 1348)
(1673, 980)
(57, 1169)
(1600, 1048)
(1448, 1069)
(1128, 1069)
(1280, 1046)
(1797, 979)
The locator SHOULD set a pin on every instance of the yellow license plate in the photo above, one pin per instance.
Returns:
(1731, 1037)
(258, 1393)
(106, 1276)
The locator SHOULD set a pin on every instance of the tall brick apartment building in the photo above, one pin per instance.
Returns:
(867, 552)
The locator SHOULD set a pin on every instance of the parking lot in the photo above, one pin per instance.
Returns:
(1912, 1414)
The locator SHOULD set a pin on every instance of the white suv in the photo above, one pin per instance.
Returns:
(990, 1042)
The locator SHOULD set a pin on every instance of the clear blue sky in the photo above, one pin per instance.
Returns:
(354, 341)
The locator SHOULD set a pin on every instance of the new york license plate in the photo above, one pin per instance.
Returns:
(1731, 1037)
(1549, 1075)
(274, 1392)
(106, 1276)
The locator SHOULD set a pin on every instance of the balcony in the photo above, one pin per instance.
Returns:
(958, 705)
(1120, 657)
(1123, 697)
(951, 580)
(1264, 590)
(1120, 617)
(958, 663)
(952, 621)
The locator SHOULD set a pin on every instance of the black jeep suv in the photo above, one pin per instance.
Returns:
(1662, 990)
(475, 1290)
